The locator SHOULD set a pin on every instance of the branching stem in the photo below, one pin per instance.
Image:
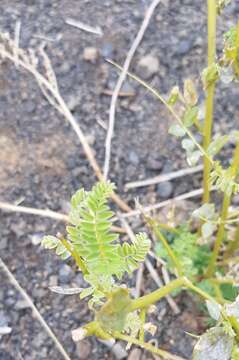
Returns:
(207, 129)
(224, 213)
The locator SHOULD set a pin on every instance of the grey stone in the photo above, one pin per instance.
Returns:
(36, 238)
(133, 158)
(21, 304)
(183, 47)
(4, 320)
(91, 54)
(65, 273)
(154, 164)
(83, 349)
(30, 106)
(107, 50)
(165, 189)
(148, 66)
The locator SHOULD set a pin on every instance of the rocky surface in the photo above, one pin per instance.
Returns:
(42, 163)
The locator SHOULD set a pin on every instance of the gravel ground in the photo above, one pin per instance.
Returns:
(42, 163)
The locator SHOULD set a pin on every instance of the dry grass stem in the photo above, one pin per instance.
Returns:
(28, 60)
(44, 213)
(88, 28)
(164, 177)
(120, 81)
(158, 281)
(188, 195)
(34, 310)
(17, 39)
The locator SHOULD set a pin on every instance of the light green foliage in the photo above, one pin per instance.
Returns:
(134, 253)
(193, 257)
(173, 96)
(176, 130)
(217, 144)
(215, 344)
(92, 240)
(222, 179)
(210, 75)
(190, 116)
(209, 216)
(219, 342)
(53, 243)
(190, 93)
(221, 4)
(113, 314)
(91, 234)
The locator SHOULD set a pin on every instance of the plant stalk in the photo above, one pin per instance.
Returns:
(75, 256)
(224, 214)
(208, 123)
(153, 297)
(155, 228)
(162, 353)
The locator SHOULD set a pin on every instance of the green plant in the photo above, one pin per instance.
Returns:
(202, 259)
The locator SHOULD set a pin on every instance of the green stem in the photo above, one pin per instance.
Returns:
(153, 297)
(75, 256)
(234, 323)
(233, 246)
(158, 233)
(207, 128)
(164, 354)
(224, 213)
(142, 316)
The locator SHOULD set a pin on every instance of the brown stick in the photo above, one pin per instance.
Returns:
(45, 213)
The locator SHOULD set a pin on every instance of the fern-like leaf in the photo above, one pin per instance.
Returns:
(134, 253)
(91, 236)
(52, 242)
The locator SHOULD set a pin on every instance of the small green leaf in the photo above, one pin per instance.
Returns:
(173, 96)
(86, 292)
(176, 130)
(217, 144)
(206, 211)
(193, 158)
(188, 145)
(213, 345)
(190, 93)
(190, 116)
(210, 75)
(214, 309)
(208, 229)
(49, 242)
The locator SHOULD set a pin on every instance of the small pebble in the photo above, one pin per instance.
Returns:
(183, 47)
(36, 238)
(21, 304)
(135, 354)
(165, 189)
(65, 273)
(91, 54)
(83, 349)
(154, 164)
(133, 158)
(148, 66)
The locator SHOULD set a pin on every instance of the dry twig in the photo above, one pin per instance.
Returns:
(28, 60)
(88, 28)
(44, 213)
(159, 283)
(120, 81)
(34, 310)
(188, 195)
(164, 177)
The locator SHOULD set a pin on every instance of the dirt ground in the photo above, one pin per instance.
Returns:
(42, 162)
